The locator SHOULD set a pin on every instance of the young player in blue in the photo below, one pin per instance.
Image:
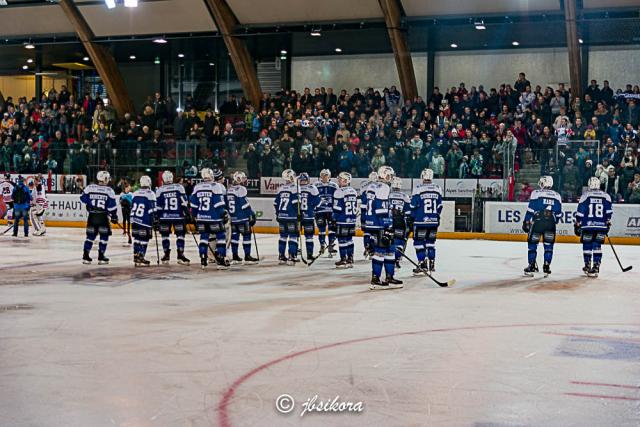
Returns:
(364, 195)
(100, 201)
(173, 207)
(143, 220)
(326, 189)
(286, 205)
(426, 207)
(400, 210)
(543, 213)
(377, 219)
(242, 218)
(208, 210)
(592, 224)
(345, 211)
(309, 202)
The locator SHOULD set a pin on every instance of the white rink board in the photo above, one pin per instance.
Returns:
(507, 217)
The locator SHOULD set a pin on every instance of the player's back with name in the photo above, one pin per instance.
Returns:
(594, 210)
(326, 190)
(237, 203)
(207, 199)
(426, 203)
(143, 207)
(170, 199)
(545, 199)
(286, 202)
(99, 198)
(345, 205)
(377, 213)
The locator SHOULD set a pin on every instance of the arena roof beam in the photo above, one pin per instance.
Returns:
(392, 11)
(227, 22)
(573, 46)
(101, 58)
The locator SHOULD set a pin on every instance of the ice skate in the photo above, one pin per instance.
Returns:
(546, 269)
(349, 261)
(595, 270)
(377, 284)
(342, 263)
(282, 260)
(182, 260)
(249, 260)
(102, 260)
(530, 269)
(394, 283)
(166, 257)
(86, 259)
(236, 259)
(587, 268)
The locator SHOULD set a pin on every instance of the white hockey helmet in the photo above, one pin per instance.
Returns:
(426, 175)
(593, 183)
(239, 178)
(103, 177)
(325, 175)
(396, 183)
(373, 176)
(344, 179)
(289, 176)
(167, 177)
(386, 174)
(545, 181)
(145, 181)
(206, 174)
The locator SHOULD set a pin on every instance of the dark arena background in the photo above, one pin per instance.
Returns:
(319, 213)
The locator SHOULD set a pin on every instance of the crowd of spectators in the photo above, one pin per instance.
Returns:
(459, 133)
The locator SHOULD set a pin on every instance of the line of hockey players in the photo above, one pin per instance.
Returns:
(24, 201)
(387, 216)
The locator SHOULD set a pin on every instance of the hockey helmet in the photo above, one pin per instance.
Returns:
(594, 183)
(386, 174)
(344, 179)
(145, 181)
(206, 174)
(239, 178)
(426, 175)
(373, 176)
(545, 181)
(396, 183)
(289, 176)
(103, 177)
(167, 177)
(325, 175)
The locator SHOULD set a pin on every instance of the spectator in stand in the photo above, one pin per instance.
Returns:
(525, 192)
(570, 181)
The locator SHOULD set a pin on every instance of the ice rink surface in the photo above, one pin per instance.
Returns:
(94, 346)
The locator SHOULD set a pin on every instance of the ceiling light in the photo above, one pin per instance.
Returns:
(283, 52)
(480, 25)
(132, 57)
(160, 40)
(86, 58)
(453, 45)
(157, 60)
(130, 3)
(580, 41)
(211, 64)
(25, 67)
(29, 61)
(29, 46)
(181, 55)
(338, 50)
(110, 3)
(515, 43)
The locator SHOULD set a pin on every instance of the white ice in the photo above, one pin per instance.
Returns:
(94, 346)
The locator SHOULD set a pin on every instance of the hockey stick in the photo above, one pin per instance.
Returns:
(299, 225)
(7, 230)
(255, 241)
(441, 284)
(155, 235)
(624, 269)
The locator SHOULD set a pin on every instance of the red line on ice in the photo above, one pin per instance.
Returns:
(225, 401)
(633, 387)
(601, 396)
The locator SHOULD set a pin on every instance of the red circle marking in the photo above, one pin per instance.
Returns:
(223, 405)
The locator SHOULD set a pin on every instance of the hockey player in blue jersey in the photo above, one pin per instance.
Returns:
(366, 236)
(173, 207)
(326, 189)
(309, 202)
(345, 211)
(543, 213)
(378, 222)
(242, 218)
(100, 201)
(208, 209)
(286, 206)
(400, 210)
(143, 220)
(592, 224)
(426, 207)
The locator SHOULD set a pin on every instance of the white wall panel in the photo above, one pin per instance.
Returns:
(351, 71)
(618, 65)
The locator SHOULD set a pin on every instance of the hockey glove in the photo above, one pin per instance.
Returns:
(114, 219)
(387, 237)
(252, 219)
(608, 226)
(576, 229)
(526, 226)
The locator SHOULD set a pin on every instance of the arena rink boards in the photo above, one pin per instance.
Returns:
(178, 346)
